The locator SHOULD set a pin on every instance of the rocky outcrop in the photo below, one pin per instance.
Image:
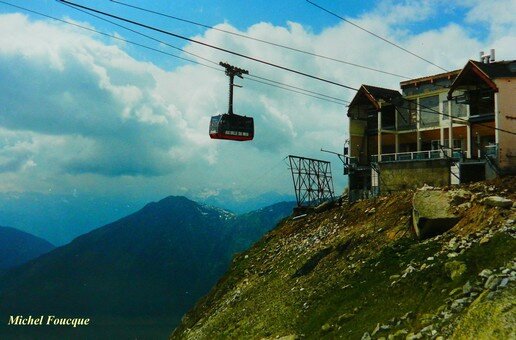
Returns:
(432, 214)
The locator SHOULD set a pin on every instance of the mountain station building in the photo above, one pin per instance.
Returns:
(448, 128)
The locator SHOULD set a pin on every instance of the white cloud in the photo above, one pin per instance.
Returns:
(78, 113)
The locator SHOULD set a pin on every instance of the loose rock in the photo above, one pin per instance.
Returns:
(497, 201)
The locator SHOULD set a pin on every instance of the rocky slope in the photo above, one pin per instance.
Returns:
(360, 272)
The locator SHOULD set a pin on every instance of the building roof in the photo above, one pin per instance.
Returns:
(476, 71)
(382, 93)
(373, 94)
(429, 79)
(498, 69)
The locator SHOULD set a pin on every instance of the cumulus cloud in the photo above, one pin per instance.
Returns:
(78, 112)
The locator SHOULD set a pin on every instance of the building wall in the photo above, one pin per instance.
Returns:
(407, 175)
(507, 121)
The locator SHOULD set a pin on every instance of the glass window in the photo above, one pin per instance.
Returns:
(407, 113)
(458, 110)
(429, 108)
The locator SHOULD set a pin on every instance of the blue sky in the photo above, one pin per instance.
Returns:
(86, 115)
(241, 16)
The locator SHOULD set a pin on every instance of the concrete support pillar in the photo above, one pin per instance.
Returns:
(418, 122)
(450, 130)
(497, 119)
(380, 133)
(396, 139)
(441, 136)
(468, 141)
(479, 148)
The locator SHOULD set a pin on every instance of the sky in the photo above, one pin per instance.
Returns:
(92, 115)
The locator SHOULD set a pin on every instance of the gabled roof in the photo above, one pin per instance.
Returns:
(382, 93)
(499, 69)
(486, 72)
(374, 94)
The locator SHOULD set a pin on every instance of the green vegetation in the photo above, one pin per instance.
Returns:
(360, 269)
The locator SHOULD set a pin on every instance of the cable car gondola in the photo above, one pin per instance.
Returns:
(232, 127)
(229, 125)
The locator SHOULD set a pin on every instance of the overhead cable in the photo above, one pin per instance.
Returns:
(266, 81)
(375, 35)
(465, 120)
(317, 95)
(259, 40)
(210, 45)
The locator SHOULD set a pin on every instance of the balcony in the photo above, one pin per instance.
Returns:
(416, 155)
(482, 118)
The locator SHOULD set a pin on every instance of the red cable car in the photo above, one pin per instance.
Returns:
(229, 125)
(232, 127)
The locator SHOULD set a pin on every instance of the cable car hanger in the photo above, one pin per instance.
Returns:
(230, 125)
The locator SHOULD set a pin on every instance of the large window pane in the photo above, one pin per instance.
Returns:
(429, 108)
(458, 110)
(407, 112)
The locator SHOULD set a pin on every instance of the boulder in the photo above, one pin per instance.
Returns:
(431, 213)
(459, 196)
(497, 201)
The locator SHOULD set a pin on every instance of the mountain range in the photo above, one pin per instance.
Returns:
(135, 277)
(19, 247)
(59, 218)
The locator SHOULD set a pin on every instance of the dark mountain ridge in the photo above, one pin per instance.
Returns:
(128, 275)
(19, 247)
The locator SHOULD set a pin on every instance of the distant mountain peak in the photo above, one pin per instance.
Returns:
(19, 247)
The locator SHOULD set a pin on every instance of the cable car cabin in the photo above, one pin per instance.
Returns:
(232, 127)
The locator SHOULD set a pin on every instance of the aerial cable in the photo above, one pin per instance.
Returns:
(319, 95)
(297, 88)
(218, 69)
(111, 36)
(272, 82)
(143, 35)
(295, 91)
(429, 109)
(375, 35)
(260, 40)
(210, 45)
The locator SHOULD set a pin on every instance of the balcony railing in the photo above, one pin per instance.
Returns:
(416, 155)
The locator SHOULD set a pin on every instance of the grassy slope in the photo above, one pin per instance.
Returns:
(331, 274)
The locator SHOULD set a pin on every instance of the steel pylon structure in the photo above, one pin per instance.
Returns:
(313, 182)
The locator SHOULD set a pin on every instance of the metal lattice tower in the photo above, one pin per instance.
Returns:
(313, 182)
